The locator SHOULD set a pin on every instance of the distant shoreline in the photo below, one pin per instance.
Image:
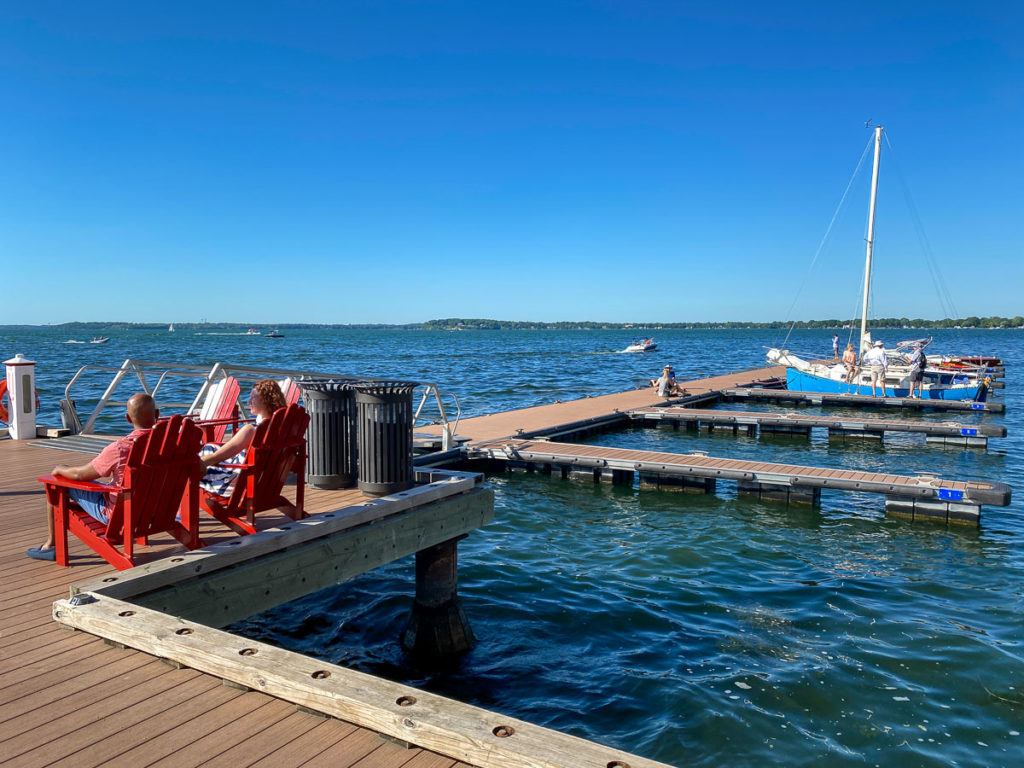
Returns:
(476, 324)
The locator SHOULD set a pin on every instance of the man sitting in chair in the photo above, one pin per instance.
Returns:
(142, 415)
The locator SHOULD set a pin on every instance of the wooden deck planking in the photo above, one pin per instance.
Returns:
(71, 699)
(552, 416)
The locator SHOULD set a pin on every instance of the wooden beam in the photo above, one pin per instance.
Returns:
(463, 732)
(228, 595)
(228, 553)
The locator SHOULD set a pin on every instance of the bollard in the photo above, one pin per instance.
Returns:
(385, 436)
(21, 395)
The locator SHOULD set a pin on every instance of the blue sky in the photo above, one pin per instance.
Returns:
(394, 162)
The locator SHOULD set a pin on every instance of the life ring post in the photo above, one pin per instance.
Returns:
(20, 383)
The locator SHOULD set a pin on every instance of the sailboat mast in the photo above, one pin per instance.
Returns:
(871, 240)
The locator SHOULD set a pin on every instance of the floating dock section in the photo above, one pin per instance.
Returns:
(921, 497)
(856, 401)
(751, 422)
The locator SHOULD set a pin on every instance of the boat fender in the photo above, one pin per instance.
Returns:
(4, 416)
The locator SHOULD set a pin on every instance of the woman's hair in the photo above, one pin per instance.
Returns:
(849, 346)
(269, 393)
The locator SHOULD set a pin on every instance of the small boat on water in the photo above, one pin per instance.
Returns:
(252, 332)
(99, 339)
(275, 334)
(170, 328)
(810, 375)
(644, 345)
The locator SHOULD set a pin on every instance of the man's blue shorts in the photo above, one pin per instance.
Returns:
(93, 502)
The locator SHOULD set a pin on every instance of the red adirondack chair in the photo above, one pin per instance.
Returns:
(220, 409)
(161, 480)
(278, 448)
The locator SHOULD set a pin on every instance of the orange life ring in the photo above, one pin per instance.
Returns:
(3, 391)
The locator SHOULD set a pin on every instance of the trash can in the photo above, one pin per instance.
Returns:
(385, 436)
(331, 442)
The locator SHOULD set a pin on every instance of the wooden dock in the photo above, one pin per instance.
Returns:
(950, 501)
(857, 401)
(195, 695)
(750, 422)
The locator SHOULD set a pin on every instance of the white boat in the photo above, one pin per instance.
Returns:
(805, 375)
(644, 345)
(252, 332)
(99, 339)
(275, 334)
(170, 328)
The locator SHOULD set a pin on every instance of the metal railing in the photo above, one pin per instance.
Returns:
(144, 371)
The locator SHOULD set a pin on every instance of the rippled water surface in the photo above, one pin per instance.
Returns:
(695, 630)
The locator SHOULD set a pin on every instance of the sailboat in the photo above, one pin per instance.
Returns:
(820, 376)
(170, 328)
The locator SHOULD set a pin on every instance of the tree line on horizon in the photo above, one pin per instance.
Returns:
(483, 324)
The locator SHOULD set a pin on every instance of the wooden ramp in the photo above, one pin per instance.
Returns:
(946, 432)
(950, 501)
(856, 401)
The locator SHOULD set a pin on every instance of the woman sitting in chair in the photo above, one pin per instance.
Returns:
(265, 398)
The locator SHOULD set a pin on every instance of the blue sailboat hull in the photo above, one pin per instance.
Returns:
(798, 381)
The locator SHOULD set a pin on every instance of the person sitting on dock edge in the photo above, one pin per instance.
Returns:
(850, 361)
(265, 398)
(142, 414)
(876, 361)
(666, 383)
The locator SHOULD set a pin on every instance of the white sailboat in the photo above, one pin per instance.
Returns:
(816, 376)
(170, 328)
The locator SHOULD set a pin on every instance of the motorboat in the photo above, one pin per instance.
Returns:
(252, 332)
(99, 339)
(275, 334)
(644, 345)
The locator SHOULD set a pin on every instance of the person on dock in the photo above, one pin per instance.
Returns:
(265, 398)
(835, 346)
(666, 383)
(850, 363)
(918, 362)
(877, 364)
(142, 414)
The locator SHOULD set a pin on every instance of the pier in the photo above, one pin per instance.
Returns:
(948, 501)
(856, 401)
(155, 677)
(766, 422)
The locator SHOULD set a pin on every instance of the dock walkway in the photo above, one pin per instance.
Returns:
(949, 432)
(69, 698)
(857, 401)
(928, 496)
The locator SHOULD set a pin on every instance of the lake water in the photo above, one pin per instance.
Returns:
(697, 630)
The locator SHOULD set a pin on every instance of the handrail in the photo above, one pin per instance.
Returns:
(210, 375)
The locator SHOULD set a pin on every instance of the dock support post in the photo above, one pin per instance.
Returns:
(778, 492)
(437, 628)
(918, 510)
(960, 442)
(840, 433)
(782, 429)
(618, 476)
(676, 483)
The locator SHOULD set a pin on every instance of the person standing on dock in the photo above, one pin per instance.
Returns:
(875, 359)
(918, 362)
(835, 346)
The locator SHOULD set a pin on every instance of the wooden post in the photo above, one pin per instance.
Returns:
(437, 628)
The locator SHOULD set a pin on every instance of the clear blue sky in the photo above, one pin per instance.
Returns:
(393, 162)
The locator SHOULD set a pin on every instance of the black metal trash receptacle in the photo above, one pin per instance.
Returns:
(385, 436)
(331, 442)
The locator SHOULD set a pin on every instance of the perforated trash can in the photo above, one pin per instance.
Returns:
(331, 442)
(385, 436)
